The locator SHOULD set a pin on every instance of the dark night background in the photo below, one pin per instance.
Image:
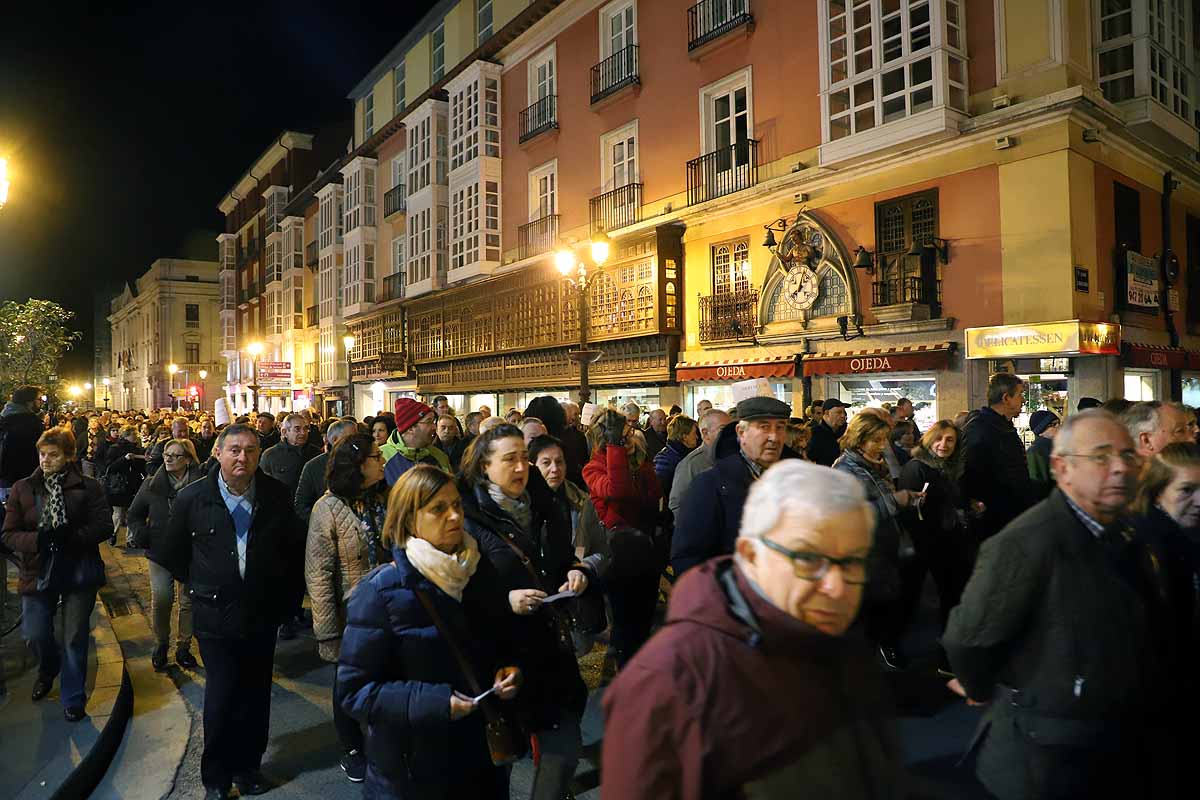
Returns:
(125, 123)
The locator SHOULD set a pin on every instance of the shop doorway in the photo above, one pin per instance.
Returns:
(1044, 391)
(872, 391)
(721, 396)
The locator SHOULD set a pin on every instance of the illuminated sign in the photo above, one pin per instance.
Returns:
(1044, 339)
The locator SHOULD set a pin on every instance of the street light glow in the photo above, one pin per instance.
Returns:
(565, 261)
(172, 368)
(74, 390)
(255, 349)
(106, 382)
(600, 250)
(203, 374)
(87, 386)
(348, 340)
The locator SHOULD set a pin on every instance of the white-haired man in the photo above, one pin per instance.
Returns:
(1154, 425)
(751, 689)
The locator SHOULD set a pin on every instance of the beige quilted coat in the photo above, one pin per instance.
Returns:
(335, 560)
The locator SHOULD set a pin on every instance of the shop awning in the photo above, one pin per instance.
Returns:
(734, 370)
(916, 358)
(1156, 356)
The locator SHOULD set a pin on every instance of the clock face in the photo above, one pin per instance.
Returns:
(800, 288)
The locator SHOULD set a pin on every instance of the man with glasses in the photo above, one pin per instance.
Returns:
(1154, 425)
(1052, 631)
(752, 689)
(412, 441)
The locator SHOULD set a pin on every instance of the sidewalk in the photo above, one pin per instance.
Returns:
(43, 754)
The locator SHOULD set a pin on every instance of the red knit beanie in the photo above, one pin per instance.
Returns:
(409, 412)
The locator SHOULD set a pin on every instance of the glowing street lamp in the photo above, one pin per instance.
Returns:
(203, 378)
(106, 383)
(575, 272)
(255, 350)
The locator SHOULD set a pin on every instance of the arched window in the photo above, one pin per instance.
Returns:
(626, 310)
(645, 308)
(602, 295)
(831, 296)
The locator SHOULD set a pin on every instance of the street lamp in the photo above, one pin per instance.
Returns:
(172, 368)
(575, 271)
(255, 350)
(203, 377)
(348, 340)
(106, 383)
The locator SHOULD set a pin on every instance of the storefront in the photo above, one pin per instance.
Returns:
(1060, 362)
(1147, 370)
(713, 380)
(870, 378)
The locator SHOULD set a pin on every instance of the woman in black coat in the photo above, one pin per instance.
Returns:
(526, 536)
(123, 471)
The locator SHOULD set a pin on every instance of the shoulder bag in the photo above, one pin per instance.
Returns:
(562, 623)
(507, 743)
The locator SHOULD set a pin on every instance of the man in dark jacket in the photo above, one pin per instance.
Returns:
(154, 457)
(1052, 630)
(707, 522)
(815, 714)
(312, 477)
(995, 471)
(823, 447)
(268, 431)
(285, 461)
(235, 541)
(205, 441)
(20, 427)
(655, 432)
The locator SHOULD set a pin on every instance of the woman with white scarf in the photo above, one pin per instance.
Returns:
(526, 536)
(414, 629)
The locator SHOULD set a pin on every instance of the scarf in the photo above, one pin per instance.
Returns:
(519, 509)
(54, 510)
(447, 571)
(423, 455)
(371, 513)
(951, 467)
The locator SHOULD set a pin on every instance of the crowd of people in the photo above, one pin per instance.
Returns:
(457, 568)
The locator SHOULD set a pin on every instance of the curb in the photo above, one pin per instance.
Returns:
(91, 768)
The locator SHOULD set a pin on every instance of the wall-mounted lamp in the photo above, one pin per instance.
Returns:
(939, 246)
(844, 323)
(864, 259)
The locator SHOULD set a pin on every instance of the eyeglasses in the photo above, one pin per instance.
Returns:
(1129, 458)
(812, 566)
(174, 455)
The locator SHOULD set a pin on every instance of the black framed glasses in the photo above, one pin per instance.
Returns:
(1105, 459)
(810, 565)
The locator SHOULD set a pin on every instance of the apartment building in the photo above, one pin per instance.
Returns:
(168, 316)
(862, 199)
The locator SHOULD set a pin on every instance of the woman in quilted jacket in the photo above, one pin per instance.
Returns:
(343, 546)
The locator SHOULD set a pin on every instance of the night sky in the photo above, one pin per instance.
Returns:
(124, 126)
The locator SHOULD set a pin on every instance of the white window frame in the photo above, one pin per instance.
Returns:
(399, 86)
(548, 55)
(607, 14)
(369, 115)
(607, 140)
(484, 32)
(399, 170)
(437, 52)
(550, 168)
(730, 83)
(398, 253)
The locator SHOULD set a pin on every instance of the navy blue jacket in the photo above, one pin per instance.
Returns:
(396, 674)
(665, 463)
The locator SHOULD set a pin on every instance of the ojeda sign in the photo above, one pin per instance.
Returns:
(737, 371)
(871, 364)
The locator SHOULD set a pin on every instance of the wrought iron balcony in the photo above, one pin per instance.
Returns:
(539, 117)
(310, 317)
(725, 171)
(537, 237)
(910, 289)
(393, 288)
(712, 19)
(393, 201)
(729, 315)
(311, 254)
(615, 73)
(616, 209)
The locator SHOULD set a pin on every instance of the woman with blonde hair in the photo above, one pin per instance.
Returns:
(864, 444)
(420, 646)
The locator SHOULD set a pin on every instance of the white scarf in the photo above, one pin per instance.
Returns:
(447, 571)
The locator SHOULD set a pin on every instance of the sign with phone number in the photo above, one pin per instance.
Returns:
(1142, 280)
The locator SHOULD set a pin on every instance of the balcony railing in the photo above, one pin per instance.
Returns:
(712, 19)
(537, 237)
(615, 73)
(393, 201)
(539, 117)
(310, 317)
(724, 171)
(616, 209)
(393, 288)
(311, 255)
(729, 315)
(910, 289)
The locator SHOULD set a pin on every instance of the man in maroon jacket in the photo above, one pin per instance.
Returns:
(751, 689)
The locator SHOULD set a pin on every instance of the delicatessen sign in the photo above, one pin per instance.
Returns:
(1070, 337)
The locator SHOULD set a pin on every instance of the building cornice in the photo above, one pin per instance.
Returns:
(275, 152)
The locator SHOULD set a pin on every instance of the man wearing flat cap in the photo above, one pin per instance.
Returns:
(823, 447)
(412, 441)
(710, 516)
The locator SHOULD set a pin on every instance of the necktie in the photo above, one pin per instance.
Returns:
(241, 525)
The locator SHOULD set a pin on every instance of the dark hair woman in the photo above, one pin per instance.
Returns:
(124, 469)
(412, 627)
(526, 536)
(382, 427)
(148, 515)
(54, 520)
(683, 436)
(344, 544)
(626, 494)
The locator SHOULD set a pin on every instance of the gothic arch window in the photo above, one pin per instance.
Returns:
(626, 310)
(831, 296)
(730, 265)
(779, 310)
(645, 308)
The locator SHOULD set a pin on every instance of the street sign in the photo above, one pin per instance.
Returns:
(274, 374)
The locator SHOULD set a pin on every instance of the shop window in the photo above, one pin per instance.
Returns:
(904, 278)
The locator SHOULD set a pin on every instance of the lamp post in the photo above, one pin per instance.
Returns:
(106, 384)
(172, 368)
(255, 350)
(348, 340)
(575, 271)
(203, 377)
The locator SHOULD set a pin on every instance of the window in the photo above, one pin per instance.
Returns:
(542, 80)
(398, 172)
(191, 315)
(398, 255)
(483, 21)
(399, 90)
(1127, 222)
(369, 116)
(618, 27)
(475, 117)
(882, 61)
(438, 42)
(899, 224)
(618, 157)
(191, 353)
(731, 267)
(543, 191)
(728, 120)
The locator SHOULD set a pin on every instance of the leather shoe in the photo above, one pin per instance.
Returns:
(41, 688)
(159, 658)
(252, 783)
(215, 793)
(185, 659)
(73, 714)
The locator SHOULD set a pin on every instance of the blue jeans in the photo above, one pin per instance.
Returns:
(37, 626)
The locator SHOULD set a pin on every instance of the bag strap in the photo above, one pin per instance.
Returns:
(525, 561)
(463, 664)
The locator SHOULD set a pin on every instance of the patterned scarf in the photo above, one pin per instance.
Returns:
(447, 571)
(54, 510)
(371, 513)
(519, 509)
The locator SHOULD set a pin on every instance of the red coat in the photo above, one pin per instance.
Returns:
(622, 499)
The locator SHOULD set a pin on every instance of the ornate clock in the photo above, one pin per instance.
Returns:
(800, 287)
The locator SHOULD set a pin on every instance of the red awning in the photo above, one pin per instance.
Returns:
(895, 359)
(1155, 356)
(732, 370)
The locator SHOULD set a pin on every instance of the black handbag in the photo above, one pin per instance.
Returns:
(507, 743)
(635, 552)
